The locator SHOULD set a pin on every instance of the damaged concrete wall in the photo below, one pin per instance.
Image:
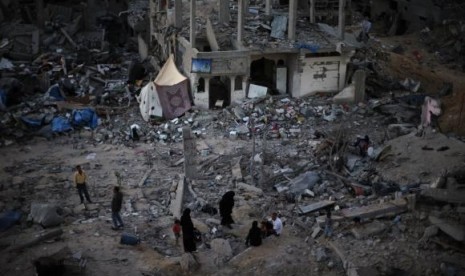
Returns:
(322, 74)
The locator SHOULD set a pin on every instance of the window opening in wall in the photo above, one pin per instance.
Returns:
(201, 86)
(238, 83)
(263, 73)
(220, 92)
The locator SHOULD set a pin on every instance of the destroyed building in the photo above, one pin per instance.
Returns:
(233, 50)
(354, 140)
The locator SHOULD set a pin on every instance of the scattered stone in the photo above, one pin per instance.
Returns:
(189, 263)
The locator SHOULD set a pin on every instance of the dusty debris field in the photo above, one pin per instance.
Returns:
(396, 243)
(300, 160)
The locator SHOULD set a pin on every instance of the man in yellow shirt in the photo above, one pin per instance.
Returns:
(80, 179)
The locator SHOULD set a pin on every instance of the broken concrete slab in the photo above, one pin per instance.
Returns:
(236, 171)
(403, 162)
(257, 91)
(316, 231)
(446, 195)
(45, 215)
(302, 182)
(302, 210)
(36, 239)
(222, 247)
(189, 147)
(189, 263)
(453, 229)
(176, 203)
(320, 220)
(249, 188)
(278, 27)
(368, 229)
(350, 268)
(376, 211)
(347, 95)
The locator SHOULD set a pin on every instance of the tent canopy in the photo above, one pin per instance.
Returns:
(169, 74)
(167, 96)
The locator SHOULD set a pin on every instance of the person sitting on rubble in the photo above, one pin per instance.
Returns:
(277, 224)
(266, 228)
(254, 237)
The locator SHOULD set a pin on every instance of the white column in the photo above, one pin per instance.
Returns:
(312, 11)
(192, 23)
(292, 19)
(268, 7)
(224, 11)
(342, 19)
(240, 22)
(178, 13)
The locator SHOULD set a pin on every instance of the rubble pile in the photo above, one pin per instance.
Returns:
(393, 184)
(446, 42)
(262, 32)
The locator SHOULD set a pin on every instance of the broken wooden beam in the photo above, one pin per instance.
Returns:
(314, 207)
(376, 211)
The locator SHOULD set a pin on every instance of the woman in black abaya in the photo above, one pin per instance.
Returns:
(188, 231)
(226, 206)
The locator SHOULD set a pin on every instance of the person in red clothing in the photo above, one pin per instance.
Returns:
(177, 230)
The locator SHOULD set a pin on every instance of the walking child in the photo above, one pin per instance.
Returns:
(177, 230)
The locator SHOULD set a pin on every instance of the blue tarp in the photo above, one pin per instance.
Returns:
(54, 92)
(8, 219)
(84, 117)
(60, 124)
(33, 122)
(313, 48)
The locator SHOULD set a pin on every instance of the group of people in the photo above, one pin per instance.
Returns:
(267, 228)
(80, 181)
(226, 204)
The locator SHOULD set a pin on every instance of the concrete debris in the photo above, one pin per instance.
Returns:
(189, 263)
(369, 229)
(302, 210)
(454, 230)
(445, 195)
(320, 254)
(377, 210)
(430, 232)
(249, 188)
(246, 104)
(45, 215)
(222, 250)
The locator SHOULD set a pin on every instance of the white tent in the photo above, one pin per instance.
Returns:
(167, 96)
